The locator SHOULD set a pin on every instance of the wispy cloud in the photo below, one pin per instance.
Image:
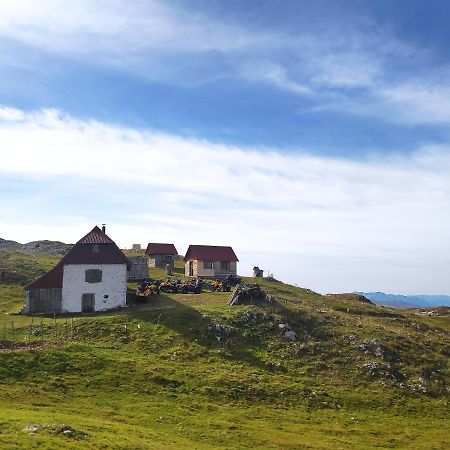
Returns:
(350, 64)
(341, 224)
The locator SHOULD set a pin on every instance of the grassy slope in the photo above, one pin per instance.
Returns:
(169, 382)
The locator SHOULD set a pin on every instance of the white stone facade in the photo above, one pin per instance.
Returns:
(109, 293)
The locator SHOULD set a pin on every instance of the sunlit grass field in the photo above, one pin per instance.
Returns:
(188, 371)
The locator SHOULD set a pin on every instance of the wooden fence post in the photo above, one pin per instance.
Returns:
(42, 332)
(56, 330)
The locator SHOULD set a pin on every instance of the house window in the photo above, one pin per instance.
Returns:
(93, 276)
(208, 265)
(225, 265)
(95, 248)
(167, 257)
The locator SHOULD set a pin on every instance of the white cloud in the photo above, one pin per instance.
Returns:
(117, 29)
(329, 224)
(147, 37)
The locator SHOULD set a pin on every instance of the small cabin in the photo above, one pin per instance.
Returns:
(159, 255)
(210, 261)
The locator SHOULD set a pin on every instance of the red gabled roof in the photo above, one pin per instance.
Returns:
(96, 236)
(81, 253)
(51, 279)
(161, 249)
(210, 253)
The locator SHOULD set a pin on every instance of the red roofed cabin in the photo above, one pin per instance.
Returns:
(159, 255)
(210, 261)
(91, 277)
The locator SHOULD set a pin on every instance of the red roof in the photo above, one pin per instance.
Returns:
(161, 249)
(96, 236)
(210, 253)
(83, 253)
(51, 279)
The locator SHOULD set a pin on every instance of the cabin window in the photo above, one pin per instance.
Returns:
(167, 257)
(95, 248)
(225, 265)
(93, 276)
(208, 264)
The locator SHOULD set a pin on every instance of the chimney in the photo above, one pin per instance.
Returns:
(104, 227)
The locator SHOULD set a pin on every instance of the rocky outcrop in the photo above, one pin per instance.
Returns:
(38, 247)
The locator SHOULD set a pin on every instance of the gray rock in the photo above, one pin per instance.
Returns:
(291, 335)
(31, 428)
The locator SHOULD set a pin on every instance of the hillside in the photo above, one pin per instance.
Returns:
(188, 371)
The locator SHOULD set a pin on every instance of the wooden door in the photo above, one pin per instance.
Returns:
(88, 303)
(191, 268)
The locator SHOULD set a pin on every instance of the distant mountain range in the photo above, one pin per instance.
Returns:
(407, 301)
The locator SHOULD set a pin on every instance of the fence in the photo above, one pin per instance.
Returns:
(56, 331)
(37, 333)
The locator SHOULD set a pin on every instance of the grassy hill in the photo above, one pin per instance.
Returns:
(188, 371)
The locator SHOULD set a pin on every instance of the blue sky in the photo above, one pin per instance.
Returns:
(311, 136)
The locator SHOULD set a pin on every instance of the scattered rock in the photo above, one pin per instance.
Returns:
(291, 335)
(218, 330)
(419, 326)
(374, 347)
(63, 429)
(377, 369)
(351, 336)
(33, 429)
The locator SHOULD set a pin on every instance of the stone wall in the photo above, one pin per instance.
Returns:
(109, 293)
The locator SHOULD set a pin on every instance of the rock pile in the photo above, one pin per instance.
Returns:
(249, 293)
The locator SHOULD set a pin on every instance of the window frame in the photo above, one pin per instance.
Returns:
(93, 276)
(225, 265)
(208, 265)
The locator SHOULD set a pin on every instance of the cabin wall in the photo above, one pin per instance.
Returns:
(109, 293)
(43, 301)
(194, 268)
(160, 261)
(218, 272)
(200, 271)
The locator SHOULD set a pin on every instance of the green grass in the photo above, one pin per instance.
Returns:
(157, 376)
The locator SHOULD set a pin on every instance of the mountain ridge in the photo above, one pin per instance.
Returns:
(406, 301)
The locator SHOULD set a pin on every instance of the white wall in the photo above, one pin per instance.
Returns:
(113, 284)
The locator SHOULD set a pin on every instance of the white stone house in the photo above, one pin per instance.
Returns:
(91, 277)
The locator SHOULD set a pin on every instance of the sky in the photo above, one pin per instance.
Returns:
(313, 137)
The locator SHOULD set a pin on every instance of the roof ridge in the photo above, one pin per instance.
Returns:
(96, 236)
